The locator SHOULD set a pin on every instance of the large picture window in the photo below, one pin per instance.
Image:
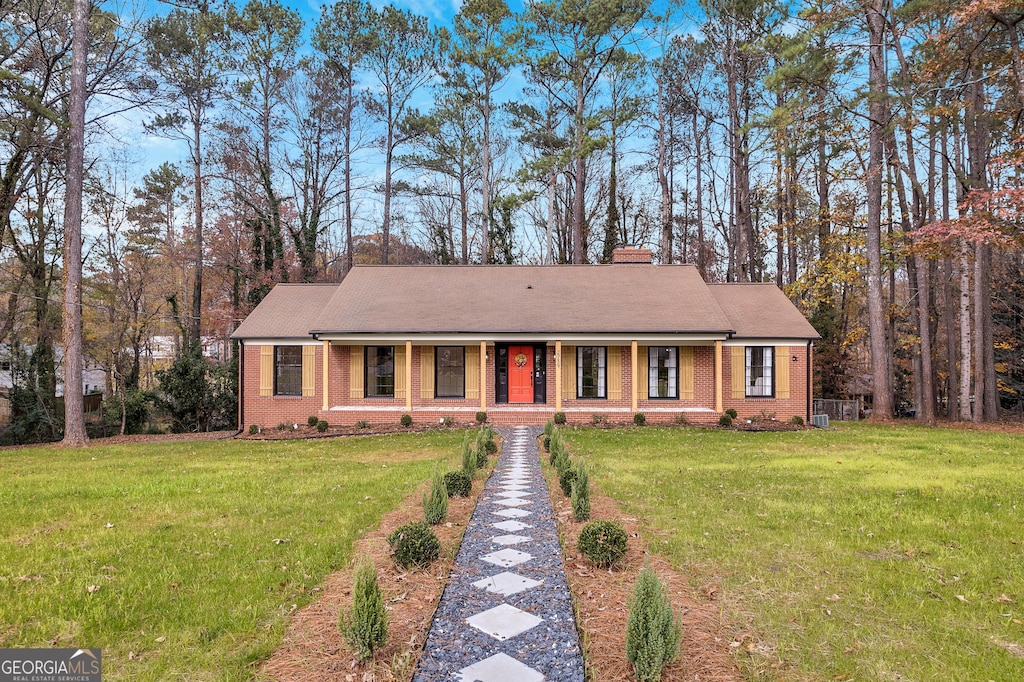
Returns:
(663, 372)
(760, 377)
(591, 363)
(287, 370)
(450, 365)
(380, 371)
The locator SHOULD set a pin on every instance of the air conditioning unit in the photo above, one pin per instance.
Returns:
(819, 421)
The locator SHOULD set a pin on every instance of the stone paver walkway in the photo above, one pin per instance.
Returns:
(506, 614)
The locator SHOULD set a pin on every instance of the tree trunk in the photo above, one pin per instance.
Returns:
(699, 189)
(386, 223)
(74, 415)
(965, 332)
(578, 186)
(485, 179)
(882, 409)
(349, 105)
(194, 327)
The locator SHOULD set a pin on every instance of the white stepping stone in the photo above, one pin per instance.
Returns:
(511, 526)
(513, 513)
(513, 502)
(499, 668)
(514, 486)
(510, 539)
(504, 622)
(515, 478)
(506, 584)
(507, 558)
(514, 493)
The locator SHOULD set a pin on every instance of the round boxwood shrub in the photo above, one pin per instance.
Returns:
(566, 477)
(481, 417)
(414, 544)
(406, 420)
(639, 419)
(312, 420)
(725, 420)
(458, 483)
(603, 542)
(321, 425)
(797, 420)
(559, 417)
(253, 429)
(731, 412)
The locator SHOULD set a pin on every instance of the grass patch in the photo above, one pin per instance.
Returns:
(869, 552)
(200, 550)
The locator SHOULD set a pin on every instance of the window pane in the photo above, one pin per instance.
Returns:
(451, 372)
(662, 373)
(380, 371)
(760, 379)
(590, 371)
(287, 370)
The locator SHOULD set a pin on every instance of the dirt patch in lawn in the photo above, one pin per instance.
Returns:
(601, 597)
(313, 650)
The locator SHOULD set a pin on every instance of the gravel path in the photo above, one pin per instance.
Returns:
(506, 613)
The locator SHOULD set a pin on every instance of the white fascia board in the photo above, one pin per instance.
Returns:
(765, 342)
(289, 341)
(680, 339)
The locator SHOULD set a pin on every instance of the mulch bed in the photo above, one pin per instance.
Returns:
(601, 597)
(314, 650)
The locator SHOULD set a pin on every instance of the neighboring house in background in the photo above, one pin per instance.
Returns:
(522, 343)
(94, 377)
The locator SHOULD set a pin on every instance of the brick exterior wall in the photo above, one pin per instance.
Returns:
(268, 412)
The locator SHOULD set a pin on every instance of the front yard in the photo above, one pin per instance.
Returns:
(861, 553)
(184, 560)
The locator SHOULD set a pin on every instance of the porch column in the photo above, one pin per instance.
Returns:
(483, 376)
(408, 376)
(327, 374)
(634, 383)
(558, 376)
(718, 376)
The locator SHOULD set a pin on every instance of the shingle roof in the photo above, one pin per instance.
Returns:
(538, 299)
(761, 311)
(570, 299)
(288, 311)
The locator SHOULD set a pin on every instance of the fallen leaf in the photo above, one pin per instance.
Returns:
(110, 525)
(962, 598)
(161, 639)
(92, 588)
(1003, 599)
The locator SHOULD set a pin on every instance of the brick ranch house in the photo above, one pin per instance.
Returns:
(522, 343)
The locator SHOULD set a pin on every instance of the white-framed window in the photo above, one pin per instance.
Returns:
(760, 372)
(591, 372)
(663, 372)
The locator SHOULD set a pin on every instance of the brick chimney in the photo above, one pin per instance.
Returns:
(632, 254)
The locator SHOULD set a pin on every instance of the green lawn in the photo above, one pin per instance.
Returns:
(200, 550)
(861, 553)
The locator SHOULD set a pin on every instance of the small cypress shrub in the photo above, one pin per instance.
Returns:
(580, 494)
(321, 425)
(406, 420)
(566, 477)
(414, 544)
(458, 484)
(481, 417)
(365, 626)
(435, 502)
(548, 428)
(639, 419)
(556, 447)
(603, 542)
(652, 632)
(731, 412)
(253, 429)
(312, 420)
(468, 456)
(481, 449)
(559, 418)
(725, 420)
(547, 443)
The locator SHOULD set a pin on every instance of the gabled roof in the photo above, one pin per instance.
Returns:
(640, 299)
(762, 311)
(287, 312)
(601, 299)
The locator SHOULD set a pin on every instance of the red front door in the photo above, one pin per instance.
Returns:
(520, 374)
